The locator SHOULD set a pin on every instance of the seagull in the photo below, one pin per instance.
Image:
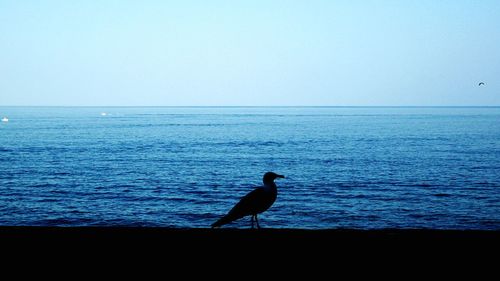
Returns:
(5, 119)
(481, 83)
(255, 202)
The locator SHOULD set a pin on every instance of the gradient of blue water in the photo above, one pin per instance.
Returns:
(184, 167)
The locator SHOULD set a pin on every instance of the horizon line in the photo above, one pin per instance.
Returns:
(264, 106)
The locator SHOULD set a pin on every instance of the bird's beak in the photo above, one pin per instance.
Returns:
(280, 176)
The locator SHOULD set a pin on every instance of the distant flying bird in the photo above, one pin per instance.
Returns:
(481, 83)
(254, 203)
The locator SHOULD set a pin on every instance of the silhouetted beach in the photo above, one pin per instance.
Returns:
(247, 251)
(336, 240)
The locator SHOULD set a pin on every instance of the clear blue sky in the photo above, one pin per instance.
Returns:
(249, 52)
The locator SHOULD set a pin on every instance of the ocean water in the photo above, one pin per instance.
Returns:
(345, 167)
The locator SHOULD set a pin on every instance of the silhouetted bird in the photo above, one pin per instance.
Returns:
(481, 83)
(254, 203)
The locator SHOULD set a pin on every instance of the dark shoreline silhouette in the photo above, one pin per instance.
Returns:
(207, 237)
(241, 248)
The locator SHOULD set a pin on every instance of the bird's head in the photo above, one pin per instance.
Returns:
(269, 177)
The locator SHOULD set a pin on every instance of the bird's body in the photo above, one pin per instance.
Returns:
(255, 202)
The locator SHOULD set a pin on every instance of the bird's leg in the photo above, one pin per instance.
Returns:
(252, 221)
(257, 221)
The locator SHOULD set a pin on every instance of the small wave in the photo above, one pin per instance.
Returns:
(60, 191)
(357, 196)
(414, 185)
(61, 174)
(43, 185)
(64, 221)
(48, 200)
(442, 195)
(416, 216)
(482, 183)
(490, 223)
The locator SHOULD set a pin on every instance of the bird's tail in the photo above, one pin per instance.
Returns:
(224, 220)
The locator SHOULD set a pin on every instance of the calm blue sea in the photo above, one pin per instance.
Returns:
(345, 167)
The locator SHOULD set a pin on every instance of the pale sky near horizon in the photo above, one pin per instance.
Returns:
(168, 53)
